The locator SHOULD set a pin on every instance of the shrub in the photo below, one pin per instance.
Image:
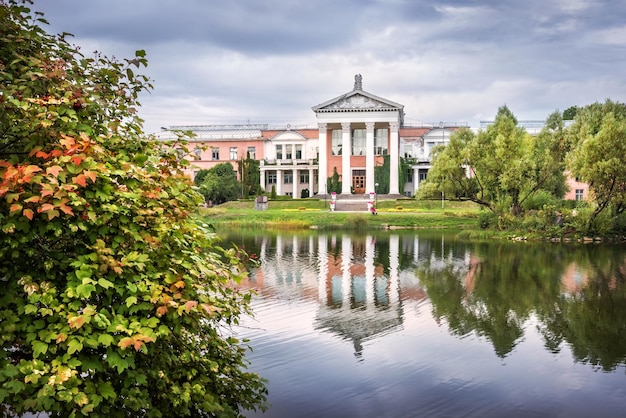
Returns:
(115, 298)
(486, 219)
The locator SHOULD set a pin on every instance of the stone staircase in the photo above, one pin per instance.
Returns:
(356, 202)
(352, 203)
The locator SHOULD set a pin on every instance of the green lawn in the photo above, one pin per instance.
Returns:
(314, 213)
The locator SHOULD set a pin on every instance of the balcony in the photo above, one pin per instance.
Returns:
(292, 162)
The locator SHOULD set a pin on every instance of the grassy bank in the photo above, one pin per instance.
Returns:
(314, 213)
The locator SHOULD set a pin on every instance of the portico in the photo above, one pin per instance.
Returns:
(356, 131)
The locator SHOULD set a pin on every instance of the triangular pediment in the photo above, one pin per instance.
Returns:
(357, 101)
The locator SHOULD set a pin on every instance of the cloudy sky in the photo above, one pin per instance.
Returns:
(270, 61)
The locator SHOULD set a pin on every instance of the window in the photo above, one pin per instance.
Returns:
(252, 153)
(358, 142)
(271, 178)
(422, 175)
(197, 152)
(381, 141)
(408, 151)
(304, 177)
(288, 177)
(288, 155)
(215, 153)
(279, 152)
(409, 175)
(298, 152)
(336, 142)
(580, 193)
(233, 153)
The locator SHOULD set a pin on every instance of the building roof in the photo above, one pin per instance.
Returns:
(215, 132)
(357, 100)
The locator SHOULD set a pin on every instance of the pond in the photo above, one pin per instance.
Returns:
(420, 324)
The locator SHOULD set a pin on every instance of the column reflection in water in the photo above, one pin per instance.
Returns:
(357, 301)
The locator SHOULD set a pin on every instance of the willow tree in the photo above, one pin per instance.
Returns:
(499, 167)
(116, 300)
(598, 141)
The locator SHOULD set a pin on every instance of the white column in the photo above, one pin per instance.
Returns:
(262, 176)
(416, 179)
(322, 160)
(369, 158)
(296, 180)
(279, 182)
(311, 182)
(394, 161)
(346, 152)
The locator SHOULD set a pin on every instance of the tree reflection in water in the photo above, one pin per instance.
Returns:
(575, 292)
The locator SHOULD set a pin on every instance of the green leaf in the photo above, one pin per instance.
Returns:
(114, 360)
(105, 390)
(29, 309)
(73, 346)
(131, 300)
(84, 290)
(105, 283)
(106, 339)
(39, 347)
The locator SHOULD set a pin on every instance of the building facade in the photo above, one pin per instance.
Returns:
(354, 133)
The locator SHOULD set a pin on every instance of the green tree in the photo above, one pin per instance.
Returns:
(218, 184)
(598, 142)
(500, 167)
(250, 175)
(381, 176)
(332, 183)
(570, 113)
(116, 300)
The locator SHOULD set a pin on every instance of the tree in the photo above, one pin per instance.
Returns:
(498, 168)
(381, 176)
(332, 183)
(570, 113)
(250, 175)
(598, 146)
(116, 300)
(218, 184)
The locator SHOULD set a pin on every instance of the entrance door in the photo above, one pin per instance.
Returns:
(358, 181)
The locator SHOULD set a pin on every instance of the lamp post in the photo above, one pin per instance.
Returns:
(376, 195)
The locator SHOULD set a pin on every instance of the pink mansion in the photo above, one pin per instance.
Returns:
(353, 134)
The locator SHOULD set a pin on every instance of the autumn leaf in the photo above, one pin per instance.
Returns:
(31, 169)
(45, 208)
(28, 213)
(66, 209)
(76, 321)
(32, 199)
(125, 343)
(92, 175)
(54, 170)
(190, 304)
(81, 180)
(15, 207)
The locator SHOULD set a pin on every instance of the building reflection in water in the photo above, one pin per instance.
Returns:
(357, 300)
(357, 289)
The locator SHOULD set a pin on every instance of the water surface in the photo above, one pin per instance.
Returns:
(422, 325)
